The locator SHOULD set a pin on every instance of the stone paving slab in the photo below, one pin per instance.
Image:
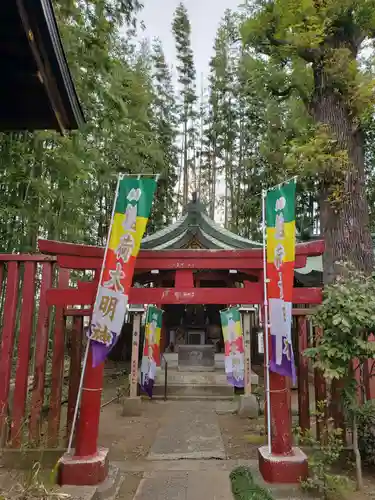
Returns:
(183, 465)
(163, 486)
(174, 485)
(207, 467)
(190, 432)
(227, 407)
(206, 485)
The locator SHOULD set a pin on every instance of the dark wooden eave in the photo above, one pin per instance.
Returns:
(36, 87)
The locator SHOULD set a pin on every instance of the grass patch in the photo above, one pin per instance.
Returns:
(244, 487)
(37, 484)
(255, 439)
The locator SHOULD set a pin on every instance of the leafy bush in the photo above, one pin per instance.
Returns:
(324, 458)
(366, 432)
(346, 317)
(244, 487)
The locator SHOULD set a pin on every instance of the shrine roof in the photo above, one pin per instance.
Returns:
(196, 230)
(37, 91)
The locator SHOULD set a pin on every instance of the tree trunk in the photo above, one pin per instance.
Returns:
(344, 225)
(226, 195)
(186, 166)
(213, 187)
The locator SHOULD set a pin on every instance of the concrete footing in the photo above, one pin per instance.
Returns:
(107, 490)
(132, 407)
(248, 406)
(83, 471)
(282, 469)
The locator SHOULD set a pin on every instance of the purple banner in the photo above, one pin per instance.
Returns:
(287, 368)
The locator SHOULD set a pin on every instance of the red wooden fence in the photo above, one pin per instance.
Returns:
(33, 351)
(37, 342)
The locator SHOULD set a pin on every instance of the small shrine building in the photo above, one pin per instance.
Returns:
(197, 234)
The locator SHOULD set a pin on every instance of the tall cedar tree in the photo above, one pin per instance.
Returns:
(186, 77)
(63, 187)
(318, 42)
(224, 124)
(165, 117)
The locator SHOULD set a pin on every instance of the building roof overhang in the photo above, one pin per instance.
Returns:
(37, 91)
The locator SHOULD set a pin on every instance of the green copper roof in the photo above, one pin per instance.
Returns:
(195, 225)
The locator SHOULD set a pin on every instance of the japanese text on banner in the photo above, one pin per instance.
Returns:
(151, 349)
(132, 209)
(234, 346)
(280, 214)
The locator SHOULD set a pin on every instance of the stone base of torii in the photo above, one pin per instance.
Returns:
(285, 464)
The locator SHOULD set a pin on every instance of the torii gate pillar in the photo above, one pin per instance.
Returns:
(88, 465)
(285, 464)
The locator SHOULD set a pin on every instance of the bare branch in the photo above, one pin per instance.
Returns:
(306, 53)
(287, 92)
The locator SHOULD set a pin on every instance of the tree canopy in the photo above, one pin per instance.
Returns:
(310, 51)
(289, 91)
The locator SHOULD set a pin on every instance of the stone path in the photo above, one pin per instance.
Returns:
(191, 433)
(187, 460)
(205, 479)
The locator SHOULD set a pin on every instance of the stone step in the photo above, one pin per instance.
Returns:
(195, 378)
(175, 397)
(195, 390)
(172, 360)
(216, 377)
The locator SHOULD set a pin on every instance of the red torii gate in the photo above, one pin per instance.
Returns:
(89, 465)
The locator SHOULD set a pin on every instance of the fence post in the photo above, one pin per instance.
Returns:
(7, 341)
(303, 376)
(41, 347)
(57, 366)
(320, 392)
(22, 370)
(135, 355)
(369, 374)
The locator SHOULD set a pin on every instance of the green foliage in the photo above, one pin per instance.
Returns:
(366, 432)
(244, 487)
(310, 52)
(346, 316)
(63, 187)
(165, 119)
(324, 455)
(181, 29)
(331, 32)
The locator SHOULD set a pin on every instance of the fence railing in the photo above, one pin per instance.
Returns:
(40, 354)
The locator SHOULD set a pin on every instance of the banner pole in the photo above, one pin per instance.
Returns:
(266, 326)
(79, 395)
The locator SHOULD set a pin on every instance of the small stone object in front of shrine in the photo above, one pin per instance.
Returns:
(196, 358)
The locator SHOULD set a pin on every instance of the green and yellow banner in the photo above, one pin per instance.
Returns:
(132, 209)
(234, 346)
(281, 241)
(151, 349)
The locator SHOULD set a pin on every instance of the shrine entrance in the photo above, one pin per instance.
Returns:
(190, 284)
(193, 325)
